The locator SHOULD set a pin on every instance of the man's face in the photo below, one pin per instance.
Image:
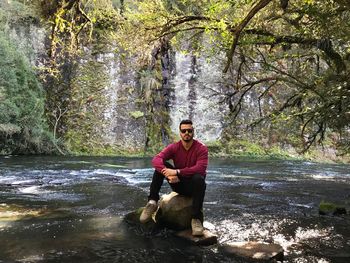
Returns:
(186, 132)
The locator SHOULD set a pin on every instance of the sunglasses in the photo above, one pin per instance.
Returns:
(186, 130)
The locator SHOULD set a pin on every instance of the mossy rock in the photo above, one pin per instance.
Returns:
(328, 208)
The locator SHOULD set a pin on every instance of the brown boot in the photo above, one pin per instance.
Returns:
(147, 212)
(197, 227)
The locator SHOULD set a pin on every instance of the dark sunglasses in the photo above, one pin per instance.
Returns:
(186, 130)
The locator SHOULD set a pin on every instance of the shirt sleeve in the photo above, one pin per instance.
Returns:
(201, 165)
(160, 158)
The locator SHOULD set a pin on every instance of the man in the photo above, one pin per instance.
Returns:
(187, 178)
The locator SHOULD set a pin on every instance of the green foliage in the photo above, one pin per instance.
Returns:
(22, 124)
(15, 12)
(289, 57)
(155, 143)
(241, 147)
(251, 148)
(276, 152)
(248, 148)
(214, 147)
(137, 114)
(291, 61)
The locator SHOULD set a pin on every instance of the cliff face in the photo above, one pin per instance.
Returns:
(104, 101)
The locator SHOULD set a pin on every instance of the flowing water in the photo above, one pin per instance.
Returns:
(71, 209)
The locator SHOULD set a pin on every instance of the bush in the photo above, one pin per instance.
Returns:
(22, 124)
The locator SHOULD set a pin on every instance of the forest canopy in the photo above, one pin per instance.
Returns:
(292, 56)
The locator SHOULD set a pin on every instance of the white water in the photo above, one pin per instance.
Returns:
(194, 100)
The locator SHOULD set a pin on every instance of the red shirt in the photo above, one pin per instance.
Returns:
(189, 162)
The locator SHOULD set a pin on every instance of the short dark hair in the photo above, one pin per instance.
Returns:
(187, 121)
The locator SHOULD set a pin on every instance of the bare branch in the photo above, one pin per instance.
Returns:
(238, 105)
(263, 94)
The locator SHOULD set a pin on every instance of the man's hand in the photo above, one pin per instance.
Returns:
(171, 175)
(173, 179)
(167, 172)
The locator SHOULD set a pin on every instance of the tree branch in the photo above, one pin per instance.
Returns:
(260, 5)
(181, 20)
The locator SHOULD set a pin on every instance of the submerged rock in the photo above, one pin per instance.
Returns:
(254, 251)
(207, 239)
(133, 218)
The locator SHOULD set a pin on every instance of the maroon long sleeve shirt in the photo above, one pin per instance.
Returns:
(189, 162)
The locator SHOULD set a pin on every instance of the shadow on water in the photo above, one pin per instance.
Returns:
(59, 209)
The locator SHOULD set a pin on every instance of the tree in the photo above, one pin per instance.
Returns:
(22, 124)
(287, 52)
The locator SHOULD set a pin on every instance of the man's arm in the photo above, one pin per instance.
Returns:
(160, 158)
(201, 165)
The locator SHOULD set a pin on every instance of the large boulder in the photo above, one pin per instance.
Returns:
(175, 211)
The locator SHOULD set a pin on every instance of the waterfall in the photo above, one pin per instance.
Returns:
(193, 81)
(187, 81)
(121, 127)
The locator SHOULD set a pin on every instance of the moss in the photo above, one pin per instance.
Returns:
(136, 114)
(328, 208)
(154, 142)
(214, 147)
(86, 106)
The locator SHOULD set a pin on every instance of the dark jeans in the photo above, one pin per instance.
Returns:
(192, 186)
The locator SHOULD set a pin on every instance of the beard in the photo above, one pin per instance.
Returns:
(187, 138)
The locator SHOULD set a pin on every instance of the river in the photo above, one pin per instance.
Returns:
(71, 209)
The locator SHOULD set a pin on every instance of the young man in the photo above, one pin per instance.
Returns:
(187, 177)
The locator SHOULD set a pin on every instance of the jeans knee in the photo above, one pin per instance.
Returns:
(198, 179)
(156, 173)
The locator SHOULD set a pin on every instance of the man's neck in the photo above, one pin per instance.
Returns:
(187, 145)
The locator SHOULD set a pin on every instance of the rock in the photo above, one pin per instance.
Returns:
(339, 211)
(254, 250)
(207, 239)
(175, 211)
(133, 218)
(327, 208)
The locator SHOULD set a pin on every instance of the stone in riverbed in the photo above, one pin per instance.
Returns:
(328, 208)
(174, 212)
(254, 251)
(207, 239)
